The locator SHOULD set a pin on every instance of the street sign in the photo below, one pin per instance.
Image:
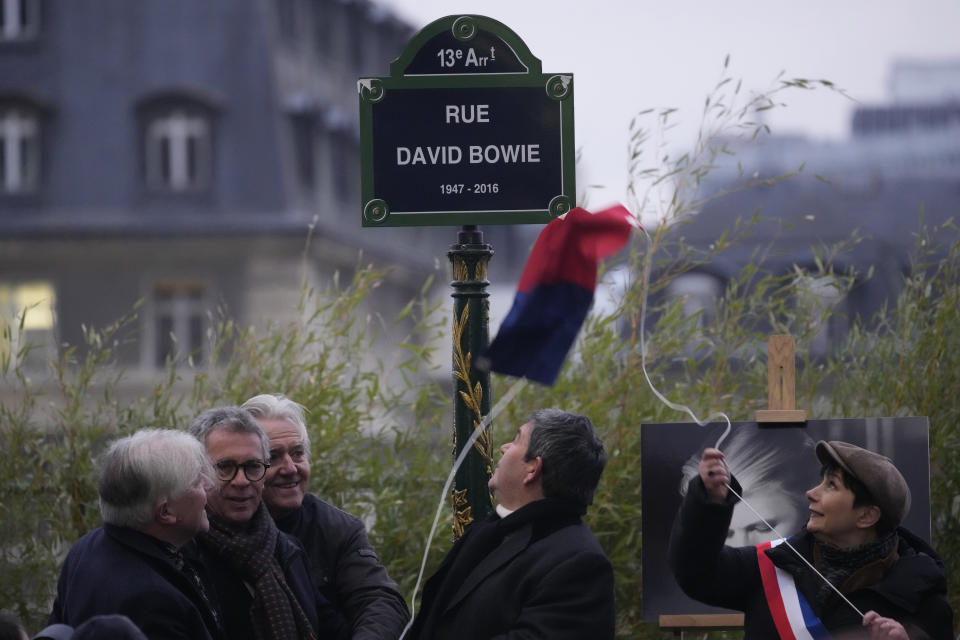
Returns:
(466, 130)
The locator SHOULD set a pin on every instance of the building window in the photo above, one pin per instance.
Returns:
(19, 150)
(344, 172)
(288, 22)
(324, 18)
(698, 294)
(179, 322)
(19, 19)
(178, 150)
(357, 27)
(27, 325)
(304, 128)
(821, 311)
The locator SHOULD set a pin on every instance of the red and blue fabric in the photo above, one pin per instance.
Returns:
(792, 614)
(555, 292)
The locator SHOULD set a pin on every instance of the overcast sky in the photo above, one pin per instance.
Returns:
(630, 55)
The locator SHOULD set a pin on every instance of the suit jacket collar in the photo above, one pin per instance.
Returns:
(519, 529)
(511, 546)
(140, 542)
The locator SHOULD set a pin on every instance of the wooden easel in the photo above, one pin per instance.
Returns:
(781, 383)
(782, 407)
(676, 625)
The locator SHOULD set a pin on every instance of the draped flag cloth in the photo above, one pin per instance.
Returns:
(555, 293)
(791, 612)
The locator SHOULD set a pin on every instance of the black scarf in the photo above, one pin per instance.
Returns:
(838, 564)
(275, 613)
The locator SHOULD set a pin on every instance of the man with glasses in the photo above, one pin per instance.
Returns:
(260, 574)
(152, 488)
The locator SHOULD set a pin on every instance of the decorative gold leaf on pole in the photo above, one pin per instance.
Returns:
(472, 400)
(471, 393)
(461, 512)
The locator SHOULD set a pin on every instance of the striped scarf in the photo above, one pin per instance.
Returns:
(275, 613)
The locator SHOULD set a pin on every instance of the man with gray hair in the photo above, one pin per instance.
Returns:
(533, 568)
(343, 563)
(152, 488)
(261, 575)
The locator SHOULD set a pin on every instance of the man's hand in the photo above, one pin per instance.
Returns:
(715, 474)
(885, 628)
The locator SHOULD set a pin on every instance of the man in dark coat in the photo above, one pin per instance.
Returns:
(343, 564)
(260, 574)
(152, 489)
(884, 582)
(533, 568)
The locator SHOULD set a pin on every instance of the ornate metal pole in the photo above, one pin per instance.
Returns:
(471, 334)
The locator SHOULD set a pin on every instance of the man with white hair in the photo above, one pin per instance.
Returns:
(152, 488)
(343, 564)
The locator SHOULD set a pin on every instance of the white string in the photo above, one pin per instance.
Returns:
(681, 407)
(648, 263)
(477, 432)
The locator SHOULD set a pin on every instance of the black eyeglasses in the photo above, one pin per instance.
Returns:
(253, 469)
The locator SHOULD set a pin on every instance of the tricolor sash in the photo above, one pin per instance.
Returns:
(792, 614)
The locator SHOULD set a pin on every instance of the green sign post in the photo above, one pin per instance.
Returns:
(467, 130)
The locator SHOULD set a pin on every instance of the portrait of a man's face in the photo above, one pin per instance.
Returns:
(775, 507)
(775, 466)
(770, 492)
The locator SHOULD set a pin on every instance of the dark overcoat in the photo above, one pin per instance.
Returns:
(346, 570)
(912, 591)
(546, 579)
(235, 597)
(117, 570)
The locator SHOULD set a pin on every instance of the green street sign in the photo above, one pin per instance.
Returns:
(466, 130)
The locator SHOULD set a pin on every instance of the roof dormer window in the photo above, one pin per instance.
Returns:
(19, 20)
(19, 150)
(178, 140)
(178, 151)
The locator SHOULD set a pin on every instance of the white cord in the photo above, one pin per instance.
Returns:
(487, 419)
(648, 264)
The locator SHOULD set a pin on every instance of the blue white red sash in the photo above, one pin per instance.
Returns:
(792, 614)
